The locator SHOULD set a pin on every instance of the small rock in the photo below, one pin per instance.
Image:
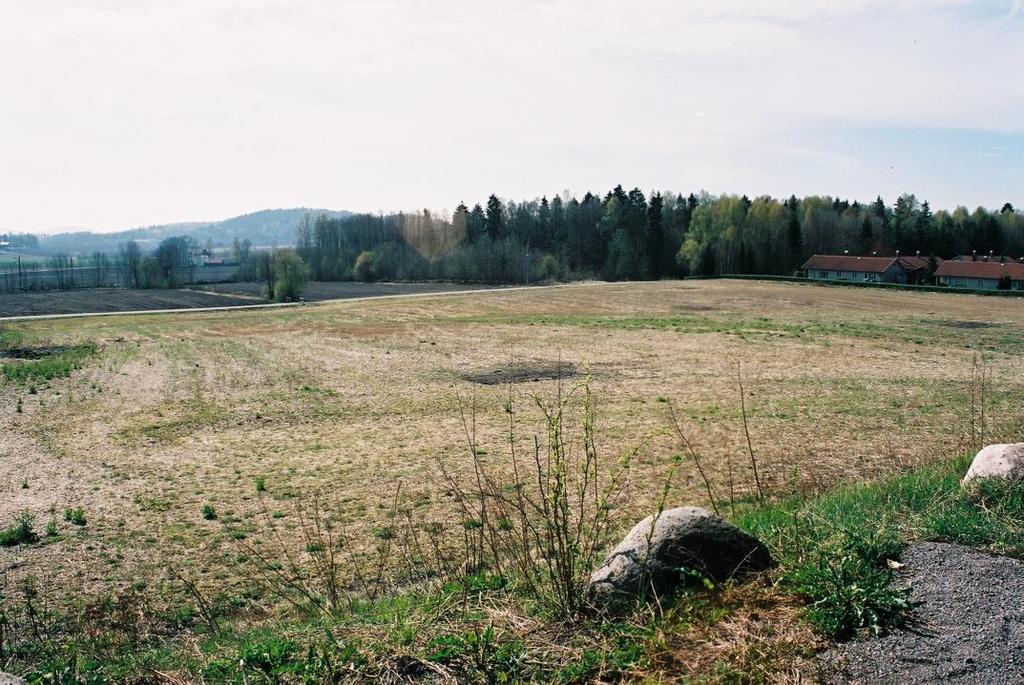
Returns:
(656, 556)
(7, 679)
(997, 461)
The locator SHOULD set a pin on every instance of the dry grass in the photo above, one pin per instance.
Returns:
(181, 411)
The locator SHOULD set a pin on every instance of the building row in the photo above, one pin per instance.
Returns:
(976, 272)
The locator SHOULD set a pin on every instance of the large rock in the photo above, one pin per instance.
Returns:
(659, 557)
(997, 461)
(6, 679)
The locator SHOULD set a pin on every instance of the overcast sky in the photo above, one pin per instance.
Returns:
(116, 114)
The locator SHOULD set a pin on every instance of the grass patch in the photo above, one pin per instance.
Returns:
(56, 365)
(833, 551)
(75, 516)
(174, 421)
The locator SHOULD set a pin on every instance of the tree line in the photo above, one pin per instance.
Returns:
(630, 235)
(618, 236)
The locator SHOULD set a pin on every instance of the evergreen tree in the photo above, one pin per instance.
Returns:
(657, 253)
(495, 221)
(867, 235)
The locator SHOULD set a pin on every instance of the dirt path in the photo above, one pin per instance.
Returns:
(969, 628)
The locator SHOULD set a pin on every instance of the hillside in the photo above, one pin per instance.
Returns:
(264, 227)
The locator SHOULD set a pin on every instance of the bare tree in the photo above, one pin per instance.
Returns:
(129, 263)
(101, 268)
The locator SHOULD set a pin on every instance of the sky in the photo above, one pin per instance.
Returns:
(116, 114)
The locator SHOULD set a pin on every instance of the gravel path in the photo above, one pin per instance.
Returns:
(969, 626)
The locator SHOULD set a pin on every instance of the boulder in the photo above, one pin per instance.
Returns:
(997, 461)
(6, 679)
(660, 557)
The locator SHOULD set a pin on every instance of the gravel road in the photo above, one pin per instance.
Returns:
(969, 626)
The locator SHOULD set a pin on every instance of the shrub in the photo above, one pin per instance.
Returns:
(19, 533)
(543, 516)
(209, 513)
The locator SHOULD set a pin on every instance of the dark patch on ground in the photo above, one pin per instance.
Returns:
(89, 300)
(968, 325)
(968, 627)
(523, 373)
(30, 352)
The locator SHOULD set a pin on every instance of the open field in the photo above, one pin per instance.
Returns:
(249, 412)
(87, 300)
(209, 295)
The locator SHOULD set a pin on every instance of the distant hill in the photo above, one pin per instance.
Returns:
(265, 227)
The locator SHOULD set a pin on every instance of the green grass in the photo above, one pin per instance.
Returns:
(1001, 338)
(833, 551)
(75, 516)
(57, 365)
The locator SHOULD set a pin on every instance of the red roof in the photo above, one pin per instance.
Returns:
(993, 270)
(849, 263)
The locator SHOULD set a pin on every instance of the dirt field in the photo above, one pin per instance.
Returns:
(249, 411)
(208, 295)
(112, 300)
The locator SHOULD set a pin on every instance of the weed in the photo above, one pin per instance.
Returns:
(19, 533)
(261, 484)
(75, 516)
(209, 513)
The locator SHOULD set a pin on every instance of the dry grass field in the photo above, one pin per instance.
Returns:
(248, 412)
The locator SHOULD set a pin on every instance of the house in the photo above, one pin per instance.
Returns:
(853, 268)
(913, 270)
(995, 273)
(919, 269)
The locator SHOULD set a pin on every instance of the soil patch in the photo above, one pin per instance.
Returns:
(968, 325)
(31, 352)
(968, 627)
(523, 374)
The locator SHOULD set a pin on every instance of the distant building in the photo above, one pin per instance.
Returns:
(911, 270)
(982, 273)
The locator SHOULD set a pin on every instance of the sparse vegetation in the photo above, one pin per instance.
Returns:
(75, 516)
(56, 364)
(398, 569)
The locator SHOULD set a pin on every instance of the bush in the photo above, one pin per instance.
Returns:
(363, 268)
(20, 533)
(290, 276)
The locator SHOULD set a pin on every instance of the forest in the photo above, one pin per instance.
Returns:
(627, 235)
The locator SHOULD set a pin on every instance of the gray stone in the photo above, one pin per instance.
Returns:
(654, 557)
(7, 679)
(997, 461)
